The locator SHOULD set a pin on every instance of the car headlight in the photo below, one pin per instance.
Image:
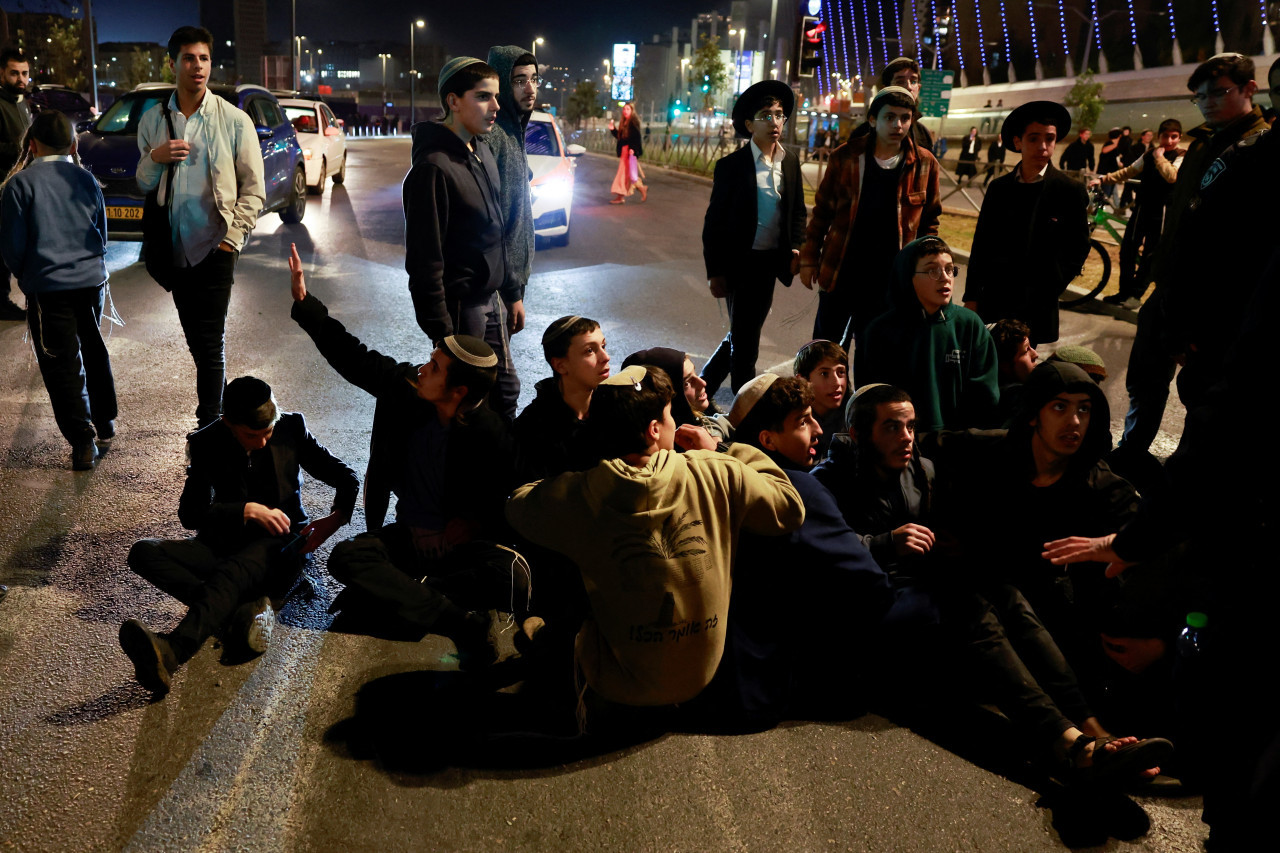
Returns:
(555, 190)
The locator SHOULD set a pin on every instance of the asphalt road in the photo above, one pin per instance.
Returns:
(266, 755)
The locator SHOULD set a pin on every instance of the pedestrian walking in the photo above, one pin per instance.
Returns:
(968, 165)
(629, 177)
(15, 118)
(54, 238)
(213, 201)
(753, 229)
(995, 161)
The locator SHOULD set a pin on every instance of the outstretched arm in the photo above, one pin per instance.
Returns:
(1082, 549)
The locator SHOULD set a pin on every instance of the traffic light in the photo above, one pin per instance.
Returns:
(809, 45)
(706, 82)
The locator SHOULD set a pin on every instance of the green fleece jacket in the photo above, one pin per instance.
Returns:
(946, 362)
(655, 546)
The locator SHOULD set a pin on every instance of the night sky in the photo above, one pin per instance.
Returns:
(577, 33)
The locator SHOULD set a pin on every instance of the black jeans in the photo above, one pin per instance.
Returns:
(73, 360)
(411, 596)
(1139, 238)
(488, 320)
(1017, 662)
(210, 583)
(750, 298)
(201, 295)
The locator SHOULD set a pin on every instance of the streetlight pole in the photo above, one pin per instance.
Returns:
(93, 50)
(384, 57)
(297, 63)
(293, 41)
(413, 71)
(539, 40)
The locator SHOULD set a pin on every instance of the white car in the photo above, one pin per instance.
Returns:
(551, 166)
(323, 141)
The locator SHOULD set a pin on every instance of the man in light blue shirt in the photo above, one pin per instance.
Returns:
(216, 195)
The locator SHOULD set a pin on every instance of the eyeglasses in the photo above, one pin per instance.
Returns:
(1212, 95)
(772, 118)
(522, 81)
(940, 273)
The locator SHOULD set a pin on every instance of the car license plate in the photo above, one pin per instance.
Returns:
(124, 213)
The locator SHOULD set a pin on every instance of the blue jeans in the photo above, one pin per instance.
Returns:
(202, 295)
(1147, 380)
(73, 360)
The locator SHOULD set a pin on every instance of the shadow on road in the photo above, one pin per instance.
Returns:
(117, 700)
(430, 728)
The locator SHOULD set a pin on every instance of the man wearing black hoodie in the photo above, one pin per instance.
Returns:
(454, 249)
(1003, 494)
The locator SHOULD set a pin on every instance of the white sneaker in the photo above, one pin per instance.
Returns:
(258, 637)
(251, 625)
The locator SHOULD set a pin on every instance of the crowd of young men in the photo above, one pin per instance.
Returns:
(672, 557)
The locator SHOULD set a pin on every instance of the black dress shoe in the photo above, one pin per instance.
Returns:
(83, 456)
(153, 659)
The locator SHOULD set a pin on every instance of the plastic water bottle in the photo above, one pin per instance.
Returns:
(1191, 640)
(1192, 697)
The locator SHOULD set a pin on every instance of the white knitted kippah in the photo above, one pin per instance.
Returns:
(472, 351)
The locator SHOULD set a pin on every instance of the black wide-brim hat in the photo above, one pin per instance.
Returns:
(1016, 122)
(756, 94)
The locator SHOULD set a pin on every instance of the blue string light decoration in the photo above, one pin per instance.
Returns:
(830, 58)
(933, 24)
(844, 45)
(884, 35)
(1062, 24)
(1217, 27)
(1133, 25)
(915, 18)
(1173, 25)
(1262, 10)
(955, 26)
(1035, 39)
(982, 40)
(1097, 30)
(871, 54)
(1004, 26)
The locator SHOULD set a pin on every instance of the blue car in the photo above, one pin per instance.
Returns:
(109, 149)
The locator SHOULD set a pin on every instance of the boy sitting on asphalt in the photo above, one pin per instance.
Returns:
(550, 432)
(654, 534)
(825, 366)
(243, 497)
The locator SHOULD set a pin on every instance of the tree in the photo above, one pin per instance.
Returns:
(65, 55)
(1086, 101)
(709, 72)
(583, 103)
